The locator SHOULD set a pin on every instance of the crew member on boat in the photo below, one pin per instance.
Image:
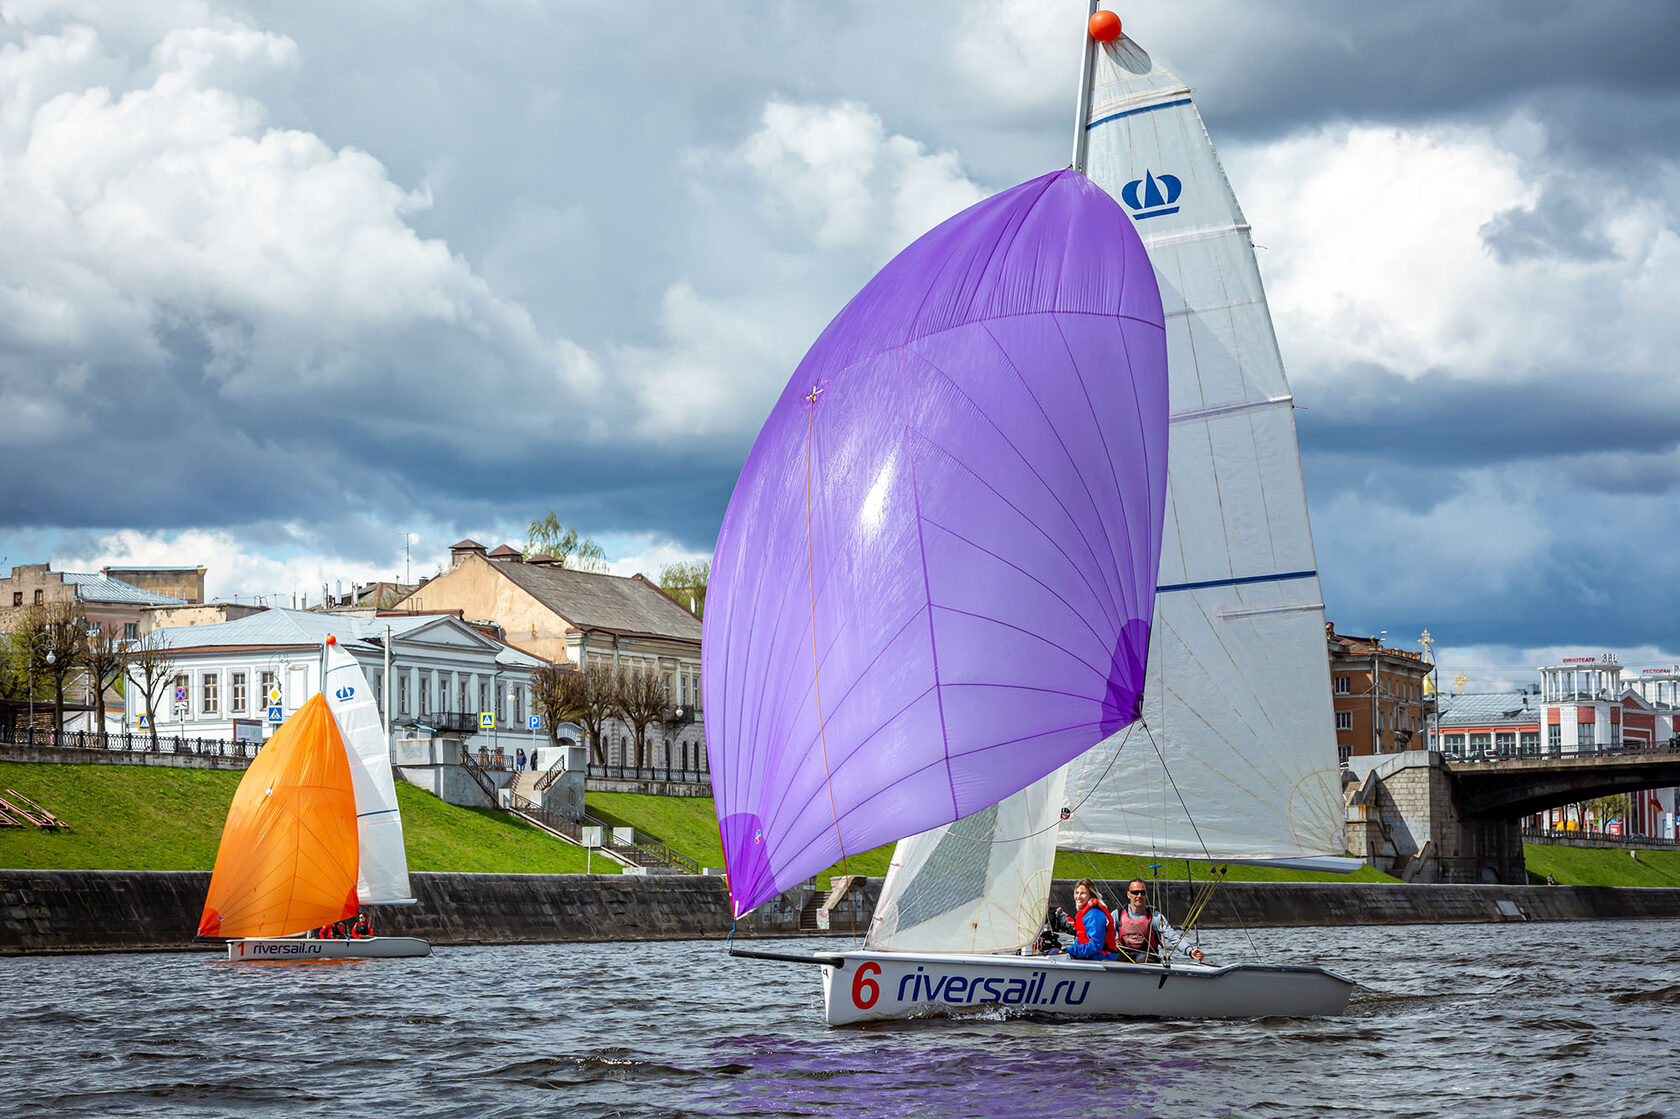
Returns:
(1143, 931)
(1093, 924)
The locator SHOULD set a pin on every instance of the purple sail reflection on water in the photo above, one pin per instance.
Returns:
(945, 539)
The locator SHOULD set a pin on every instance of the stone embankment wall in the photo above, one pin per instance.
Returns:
(44, 911)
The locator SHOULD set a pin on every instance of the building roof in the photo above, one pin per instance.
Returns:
(293, 627)
(1480, 709)
(590, 600)
(98, 588)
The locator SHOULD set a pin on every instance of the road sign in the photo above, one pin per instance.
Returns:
(273, 696)
(486, 720)
(276, 714)
(145, 722)
(534, 722)
(180, 695)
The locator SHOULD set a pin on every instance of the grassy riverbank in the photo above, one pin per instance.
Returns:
(145, 818)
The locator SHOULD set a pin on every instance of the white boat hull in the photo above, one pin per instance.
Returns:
(889, 986)
(271, 949)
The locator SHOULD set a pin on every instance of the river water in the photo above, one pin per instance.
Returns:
(1515, 1019)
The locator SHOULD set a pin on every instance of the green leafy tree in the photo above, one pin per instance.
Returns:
(547, 536)
(686, 582)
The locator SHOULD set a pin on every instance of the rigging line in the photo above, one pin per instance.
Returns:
(1197, 831)
(1057, 822)
(816, 664)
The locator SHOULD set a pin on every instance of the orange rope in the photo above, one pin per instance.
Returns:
(811, 577)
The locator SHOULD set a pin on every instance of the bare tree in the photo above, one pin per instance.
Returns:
(587, 696)
(52, 644)
(643, 697)
(150, 667)
(105, 656)
(559, 695)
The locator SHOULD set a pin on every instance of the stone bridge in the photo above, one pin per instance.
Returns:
(1428, 818)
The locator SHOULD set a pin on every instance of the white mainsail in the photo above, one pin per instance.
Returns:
(383, 877)
(1236, 755)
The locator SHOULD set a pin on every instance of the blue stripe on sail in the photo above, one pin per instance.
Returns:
(380, 812)
(1237, 582)
(1135, 112)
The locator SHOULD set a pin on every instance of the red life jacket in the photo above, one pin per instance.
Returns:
(1108, 927)
(1137, 934)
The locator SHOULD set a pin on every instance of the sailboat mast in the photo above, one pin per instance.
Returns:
(1083, 113)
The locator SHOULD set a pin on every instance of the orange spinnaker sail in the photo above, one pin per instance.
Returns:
(288, 856)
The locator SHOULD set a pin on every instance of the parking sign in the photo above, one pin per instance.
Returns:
(534, 722)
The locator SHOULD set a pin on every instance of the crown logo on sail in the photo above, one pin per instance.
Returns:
(1152, 196)
(345, 693)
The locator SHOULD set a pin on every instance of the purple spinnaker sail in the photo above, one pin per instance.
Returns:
(935, 579)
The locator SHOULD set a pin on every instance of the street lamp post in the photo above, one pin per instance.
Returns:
(1376, 680)
(51, 659)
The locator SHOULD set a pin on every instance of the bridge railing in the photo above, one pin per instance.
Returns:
(1615, 750)
(1596, 837)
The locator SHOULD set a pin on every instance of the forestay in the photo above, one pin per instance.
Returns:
(934, 581)
(383, 876)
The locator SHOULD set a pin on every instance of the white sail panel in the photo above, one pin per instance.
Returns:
(1240, 757)
(383, 878)
(981, 884)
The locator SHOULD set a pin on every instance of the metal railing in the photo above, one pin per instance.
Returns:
(476, 771)
(551, 775)
(129, 743)
(1593, 836)
(571, 828)
(650, 773)
(453, 722)
(1598, 750)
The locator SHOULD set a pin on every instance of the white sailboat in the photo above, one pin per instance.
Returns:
(1235, 756)
(314, 833)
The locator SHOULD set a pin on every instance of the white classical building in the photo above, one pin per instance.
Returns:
(444, 675)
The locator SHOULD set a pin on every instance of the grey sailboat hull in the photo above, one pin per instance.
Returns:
(888, 986)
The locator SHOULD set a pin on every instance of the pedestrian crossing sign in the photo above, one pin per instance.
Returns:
(486, 720)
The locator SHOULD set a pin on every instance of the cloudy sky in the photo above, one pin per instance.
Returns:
(283, 286)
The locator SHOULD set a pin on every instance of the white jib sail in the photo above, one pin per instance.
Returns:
(1237, 705)
(977, 885)
(383, 878)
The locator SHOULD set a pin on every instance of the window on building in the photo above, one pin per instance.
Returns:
(1343, 753)
(379, 687)
(1341, 685)
(1480, 743)
(518, 706)
(236, 692)
(1506, 742)
(209, 703)
(402, 694)
(1530, 742)
(1344, 720)
(483, 695)
(425, 693)
(501, 702)
(1453, 743)
(1586, 736)
(1554, 737)
(37, 596)
(268, 695)
(17, 598)
(464, 705)
(131, 631)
